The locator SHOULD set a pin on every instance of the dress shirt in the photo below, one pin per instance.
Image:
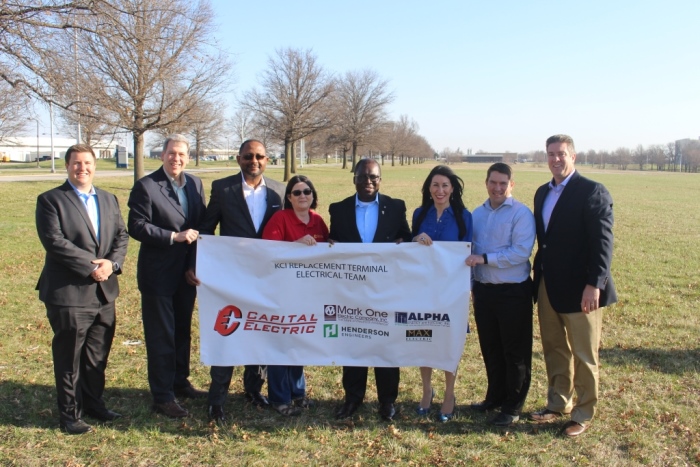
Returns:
(89, 200)
(506, 235)
(551, 199)
(181, 193)
(367, 218)
(256, 199)
(445, 228)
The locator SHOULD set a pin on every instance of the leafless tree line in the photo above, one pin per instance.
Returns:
(683, 156)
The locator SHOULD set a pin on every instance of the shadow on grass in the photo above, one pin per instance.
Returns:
(26, 406)
(669, 361)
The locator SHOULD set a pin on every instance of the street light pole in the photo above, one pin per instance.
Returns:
(37, 139)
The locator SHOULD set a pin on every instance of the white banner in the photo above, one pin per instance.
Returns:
(354, 304)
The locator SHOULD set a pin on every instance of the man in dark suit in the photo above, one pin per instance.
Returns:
(241, 205)
(83, 233)
(165, 209)
(369, 217)
(574, 220)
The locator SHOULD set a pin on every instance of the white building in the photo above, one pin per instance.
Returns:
(24, 148)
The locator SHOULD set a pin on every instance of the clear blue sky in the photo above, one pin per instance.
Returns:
(497, 75)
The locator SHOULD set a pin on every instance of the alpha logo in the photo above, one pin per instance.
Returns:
(225, 324)
(330, 330)
(329, 312)
(423, 335)
(421, 319)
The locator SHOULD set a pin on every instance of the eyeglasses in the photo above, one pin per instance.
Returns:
(249, 157)
(363, 178)
(306, 191)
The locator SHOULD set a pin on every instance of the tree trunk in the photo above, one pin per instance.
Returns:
(287, 159)
(139, 145)
(354, 157)
(345, 158)
(294, 157)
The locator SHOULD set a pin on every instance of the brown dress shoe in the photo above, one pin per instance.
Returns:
(572, 429)
(171, 409)
(545, 415)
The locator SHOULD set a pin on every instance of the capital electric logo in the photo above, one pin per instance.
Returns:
(330, 330)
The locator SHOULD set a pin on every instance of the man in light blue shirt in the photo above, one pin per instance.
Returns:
(504, 234)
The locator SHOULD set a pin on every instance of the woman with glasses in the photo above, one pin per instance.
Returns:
(297, 222)
(441, 217)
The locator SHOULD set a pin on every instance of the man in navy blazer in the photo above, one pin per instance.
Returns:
(165, 209)
(572, 282)
(83, 233)
(369, 217)
(241, 205)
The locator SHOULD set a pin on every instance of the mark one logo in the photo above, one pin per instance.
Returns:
(330, 330)
(329, 312)
(225, 324)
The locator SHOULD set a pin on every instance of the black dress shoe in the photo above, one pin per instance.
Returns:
(216, 414)
(75, 427)
(189, 392)
(387, 411)
(484, 406)
(103, 415)
(257, 399)
(347, 409)
(171, 409)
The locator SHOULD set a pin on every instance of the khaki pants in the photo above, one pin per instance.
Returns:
(570, 344)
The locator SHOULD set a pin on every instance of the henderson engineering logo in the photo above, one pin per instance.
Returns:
(230, 318)
(330, 330)
(402, 318)
(355, 315)
(419, 335)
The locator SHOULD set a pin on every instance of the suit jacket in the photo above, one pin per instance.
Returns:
(391, 225)
(228, 208)
(154, 213)
(576, 250)
(70, 241)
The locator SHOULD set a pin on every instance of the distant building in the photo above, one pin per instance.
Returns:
(490, 157)
(24, 148)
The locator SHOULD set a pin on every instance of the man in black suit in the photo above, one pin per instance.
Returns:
(165, 209)
(83, 233)
(241, 205)
(369, 217)
(574, 221)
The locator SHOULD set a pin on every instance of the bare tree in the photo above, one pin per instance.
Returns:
(141, 64)
(292, 99)
(13, 111)
(640, 156)
(92, 130)
(362, 97)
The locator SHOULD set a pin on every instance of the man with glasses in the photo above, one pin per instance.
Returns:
(369, 217)
(241, 205)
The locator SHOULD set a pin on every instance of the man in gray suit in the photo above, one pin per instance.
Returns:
(83, 233)
(165, 209)
(241, 205)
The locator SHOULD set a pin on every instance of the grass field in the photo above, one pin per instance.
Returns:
(650, 384)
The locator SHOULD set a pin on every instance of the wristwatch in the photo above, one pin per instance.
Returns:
(115, 266)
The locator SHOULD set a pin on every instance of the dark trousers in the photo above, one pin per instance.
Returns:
(167, 322)
(355, 383)
(81, 344)
(503, 314)
(221, 381)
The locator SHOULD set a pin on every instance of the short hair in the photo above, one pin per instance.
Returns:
(363, 162)
(502, 168)
(290, 184)
(561, 139)
(79, 148)
(176, 138)
(248, 141)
